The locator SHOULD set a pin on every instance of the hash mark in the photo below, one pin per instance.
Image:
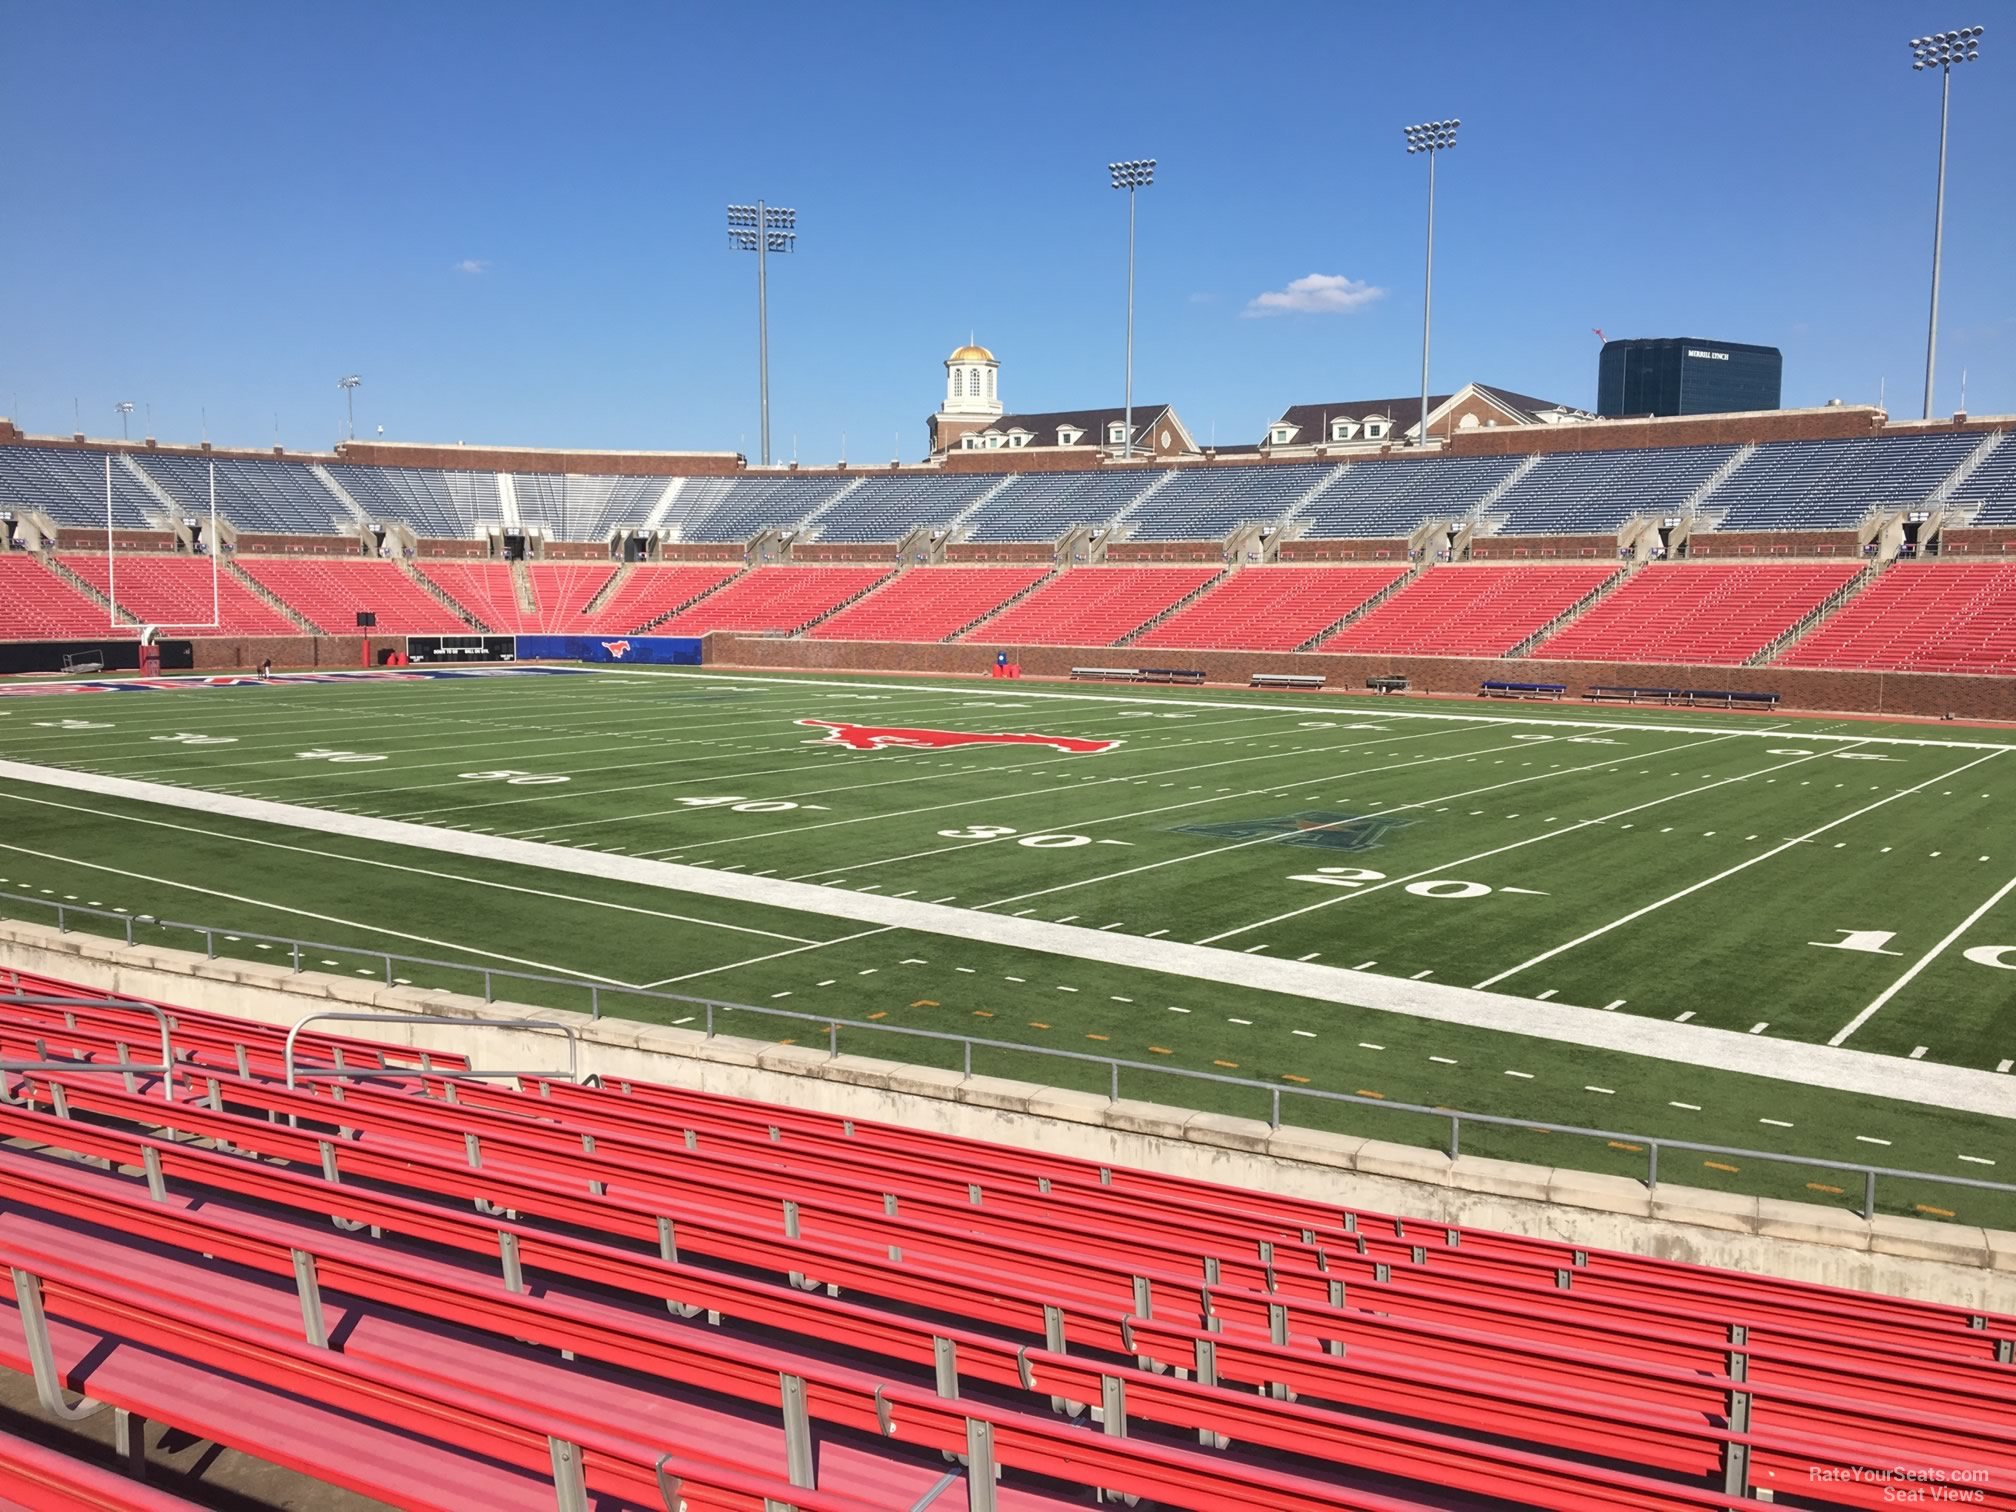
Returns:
(1522, 1075)
(1690, 1107)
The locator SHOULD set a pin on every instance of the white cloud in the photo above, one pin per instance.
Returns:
(472, 265)
(1316, 294)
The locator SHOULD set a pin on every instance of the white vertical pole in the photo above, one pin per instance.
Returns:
(1938, 234)
(111, 561)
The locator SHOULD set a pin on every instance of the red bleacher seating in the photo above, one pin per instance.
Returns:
(486, 590)
(176, 591)
(648, 592)
(776, 599)
(1354, 1359)
(1921, 617)
(1271, 608)
(564, 590)
(330, 591)
(927, 603)
(35, 604)
(1469, 611)
(1091, 606)
(1698, 613)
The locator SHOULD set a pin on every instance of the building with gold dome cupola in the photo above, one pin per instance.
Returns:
(972, 396)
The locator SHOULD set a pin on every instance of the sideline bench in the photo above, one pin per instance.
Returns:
(1692, 698)
(1387, 684)
(1138, 674)
(1302, 680)
(1498, 687)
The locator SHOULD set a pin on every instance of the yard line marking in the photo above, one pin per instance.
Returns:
(1116, 924)
(1304, 1033)
(1254, 949)
(1364, 965)
(1522, 1075)
(1776, 850)
(1760, 1028)
(1682, 1018)
(1604, 1091)
(1918, 1052)
(775, 955)
(1977, 1160)
(2004, 1065)
(1610, 1007)
(1690, 1107)
(1174, 1009)
(1442, 1060)
(1419, 975)
(1362, 1045)
(1309, 957)
(1123, 1000)
(1776, 1123)
(1553, 834)
(1870, 1139)
(1543, 996)
(1922, 962)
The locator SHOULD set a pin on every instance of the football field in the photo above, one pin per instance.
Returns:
(1774, 934)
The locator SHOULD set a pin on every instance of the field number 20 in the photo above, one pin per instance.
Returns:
(515, 778)
(1003, 831)
(1358, 876)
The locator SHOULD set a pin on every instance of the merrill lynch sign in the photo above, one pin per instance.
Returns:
(1710, 356)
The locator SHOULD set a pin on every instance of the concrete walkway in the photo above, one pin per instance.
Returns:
(1812, 1065)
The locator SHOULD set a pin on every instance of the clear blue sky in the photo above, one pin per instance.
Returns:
(508, 218)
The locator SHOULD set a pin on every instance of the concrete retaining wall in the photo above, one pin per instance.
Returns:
(1952, 1263)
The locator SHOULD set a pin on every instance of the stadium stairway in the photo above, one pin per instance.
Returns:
(534, 1284)
(267, 596)
(1271, 608)
(775, 600)
(928, 603)
(1092, 606)
(470, 618)
(651, 593)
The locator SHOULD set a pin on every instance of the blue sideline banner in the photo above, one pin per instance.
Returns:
(658, 650)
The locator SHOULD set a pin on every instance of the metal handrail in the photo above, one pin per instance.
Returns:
(1456, 1118)
(346, 1073)
(166, 1070)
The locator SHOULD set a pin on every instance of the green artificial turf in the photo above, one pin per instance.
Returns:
(1655, 863)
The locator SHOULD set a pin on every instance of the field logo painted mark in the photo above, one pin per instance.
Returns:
(879, 737)
(1345, 832)
(617, 649)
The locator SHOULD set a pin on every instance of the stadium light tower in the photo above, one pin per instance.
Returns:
(125, 408)
(1430, 137)
(1131, 176)
(762, 229)
(348, 383)
(1941, 50)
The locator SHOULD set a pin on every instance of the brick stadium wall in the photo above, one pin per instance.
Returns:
(1770, 543)
(575, 551)
(228, 653)
(298, 545)
(1003, 551)
(464, 550)
(509, 459)
(1988, 541)
(702, 551)
(1344, 551)
(813, 552)
(1526, 548)
(1165, 551)
(1847, 692)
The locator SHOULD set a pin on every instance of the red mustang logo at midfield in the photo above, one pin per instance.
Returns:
(877, 737)
(617, 649)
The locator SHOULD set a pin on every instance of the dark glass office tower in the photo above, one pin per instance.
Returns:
(1682, 375)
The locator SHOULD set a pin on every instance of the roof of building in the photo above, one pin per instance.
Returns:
(1312, 421)
(1092, 422)
(971, 354)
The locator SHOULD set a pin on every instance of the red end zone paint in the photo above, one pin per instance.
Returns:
(877, 737)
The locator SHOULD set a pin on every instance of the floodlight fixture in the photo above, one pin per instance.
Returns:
(1133, 175)
(1430, 137)
(125, 408)
(762, 229)
(1941, 50)
(348, 383)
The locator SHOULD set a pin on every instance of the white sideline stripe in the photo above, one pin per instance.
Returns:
(1776, 850)
(302, 913)
(418, 871)
(773, 956)
(1921, 963)
(1843, 1070)
(1775, 732)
